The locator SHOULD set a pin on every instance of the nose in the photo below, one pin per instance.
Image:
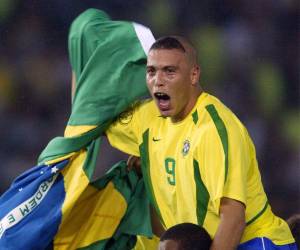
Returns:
(159, 79)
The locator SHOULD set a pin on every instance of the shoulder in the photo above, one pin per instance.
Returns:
(219, 122)
(212, 104)
(218, 113)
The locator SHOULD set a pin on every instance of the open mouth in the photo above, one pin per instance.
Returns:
(161, 96)
(163, 100)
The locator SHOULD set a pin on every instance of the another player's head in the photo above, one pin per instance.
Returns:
(294, 224)
(173, 76)
(185, 236)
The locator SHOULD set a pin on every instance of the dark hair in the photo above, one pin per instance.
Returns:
(189, 236)
(167, 42)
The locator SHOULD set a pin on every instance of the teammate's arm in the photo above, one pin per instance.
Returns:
(229, 233)
(157, 227)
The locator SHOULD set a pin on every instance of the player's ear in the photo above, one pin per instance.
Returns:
(195, 74)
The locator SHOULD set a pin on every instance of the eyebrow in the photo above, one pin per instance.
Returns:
(163, 68)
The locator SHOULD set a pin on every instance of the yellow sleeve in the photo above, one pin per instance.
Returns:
(123, 134)
(224, 159)
(238, 164)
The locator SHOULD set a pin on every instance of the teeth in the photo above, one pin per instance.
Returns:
(161, 95)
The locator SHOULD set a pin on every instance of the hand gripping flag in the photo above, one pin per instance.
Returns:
(55, 205)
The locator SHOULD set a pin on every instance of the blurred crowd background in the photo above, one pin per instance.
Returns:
(249, 54)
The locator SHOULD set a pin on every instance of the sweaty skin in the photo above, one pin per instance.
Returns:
(171, 73)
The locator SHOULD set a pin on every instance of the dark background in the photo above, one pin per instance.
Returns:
(249, 56)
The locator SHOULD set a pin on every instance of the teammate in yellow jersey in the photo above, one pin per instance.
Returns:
(198, 161)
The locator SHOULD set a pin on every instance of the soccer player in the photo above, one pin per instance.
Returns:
(185, 236)
(198, 160)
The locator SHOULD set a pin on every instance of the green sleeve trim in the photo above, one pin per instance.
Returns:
(222, 131)
(258, 215)
(202, 195)
(144, 152)
(195, 117)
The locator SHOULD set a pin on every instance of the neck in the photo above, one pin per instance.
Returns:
(188, 107)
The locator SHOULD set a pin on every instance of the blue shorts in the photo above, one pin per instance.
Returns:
(264, 244)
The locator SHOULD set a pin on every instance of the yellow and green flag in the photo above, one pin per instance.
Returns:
(56, 205)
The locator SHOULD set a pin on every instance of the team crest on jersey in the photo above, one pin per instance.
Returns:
(186, 147)
(126, 116)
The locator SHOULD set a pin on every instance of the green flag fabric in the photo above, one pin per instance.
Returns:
(108, 59)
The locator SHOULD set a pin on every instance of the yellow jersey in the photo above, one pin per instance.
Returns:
(190, 165)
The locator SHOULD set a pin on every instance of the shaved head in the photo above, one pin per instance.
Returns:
(180, 43)
(189, 49)
(173, 76)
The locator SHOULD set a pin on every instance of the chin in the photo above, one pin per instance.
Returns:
(165, 113)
